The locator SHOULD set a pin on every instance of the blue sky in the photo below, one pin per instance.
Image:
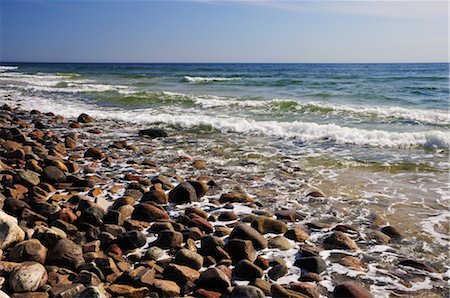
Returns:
(223, 31)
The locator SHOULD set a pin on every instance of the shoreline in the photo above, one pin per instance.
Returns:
(95, 198)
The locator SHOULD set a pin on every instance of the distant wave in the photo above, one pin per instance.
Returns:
(207, 79)
(6, 68)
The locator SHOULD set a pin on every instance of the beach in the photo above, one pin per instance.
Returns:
(121, 209)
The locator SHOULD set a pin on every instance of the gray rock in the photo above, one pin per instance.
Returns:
(27, 277)
(246, 292)
(189, 258)
(10, 232)
(66, 253)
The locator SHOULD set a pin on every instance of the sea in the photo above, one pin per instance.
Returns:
(374, 138)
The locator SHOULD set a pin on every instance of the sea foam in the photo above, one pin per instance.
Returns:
(207, 79)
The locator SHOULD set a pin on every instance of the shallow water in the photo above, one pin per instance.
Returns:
(373, 138)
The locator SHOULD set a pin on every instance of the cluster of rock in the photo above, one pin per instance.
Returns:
(59, 238)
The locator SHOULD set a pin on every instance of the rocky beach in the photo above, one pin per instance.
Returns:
(105, 208)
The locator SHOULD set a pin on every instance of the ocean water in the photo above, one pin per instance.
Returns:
(373, 137)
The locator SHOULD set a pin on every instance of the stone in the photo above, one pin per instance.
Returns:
(351, 289)
(246, 232)
(296, 234)
(94, 153)
(183, 193)
(201, 223)
(352, 262)
(169, 239)
(200, 187)
(280, 242)
(417, 265)
(92, 215)
(118, 290)
(29, 178)
(266, 225)
(306, 288)
(310, 277)
(227, 216)
(247, 270)
(93, 292)
(154, 132)
(262, 285)
(378, 237)
(279, 291)
(53, 175)
(277, 271)
(154, 253)
(67, 291)
(313, 264)
(189, 258)
(164, 181)
(289, 215)
(28, 250)
(84, 118)
(204, 294)
(66, 253)
(234, 197)
(88, 278)
(339, 240)
(239, 249)
(27, 277)
(148, 212)
(10, 232)
(247, 292)
(166, 288)
(214, 279)
(157, 195)
(392, 232)
(131, 240)
(181, 274)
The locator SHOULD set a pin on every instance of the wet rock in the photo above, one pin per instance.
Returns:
(66, 253)
(67, 291)
(156, 195)
(148, 212)
(234, 197)
(289, 215)
(227, 216)
(247, 270)
(247, 292)
(169, 239)
(313, 264)
(246, 232)
(417, 265)
(27, 277)
(154, 132)
(28, 178)
(352, 262)
(166, 288)
(200, 187)
(92, 215)
(131, 240)
(87, 278)
(305, 288)
(118, 290)
(189, 258)
(93, 292)
(339, 240)
(351, 289)
(84, 118)
(277, 271)
(378, 237)
(266, 225)
(392, 232)
(154, 253)
(53, 175)
(296, 234)
(376, 220)
(239, 249)
(310, 277)
(215, 280)
(10, 232)
(164, 181)
(28, 250)
(262, 285)
(280, 242)
(94, 153)
(180, 274)
(183, 193)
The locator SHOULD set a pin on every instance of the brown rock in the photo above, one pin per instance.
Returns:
(351, 289)
(339, 240)
(148, 212)
(28, 250)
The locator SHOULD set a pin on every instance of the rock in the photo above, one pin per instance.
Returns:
(67, 291)
(148, 212)
(289, 215)
(351, 289)
(93, 292)
(310, 277)
(247, 270)
(306, 288)
(280, 242)
(296, 234)
(154, 132)
(27, 277)
(277, 271)
(183, 193)
(200, 164)
(53, 175)
(378, 237)
(28, 178)
(94, 153)
(87, 278)
(200, 187)
(156, 195)
(28, 250)
(241, 249)
(92, 215)
(352, 262)
(154, 253)
(131, 240)
(262, 285)
(166, 288)
(417, 265)
(234, 197)
(376, 220)
(164, 181)
(313, 264)
(66, 253)
(10, 232)
(189, 258)
(246, 232)
(181, 274)
(247, 292)
(84, 118)
(205, 294)
(169, 239)
(392, 232)
(118, 290)
(228, 216)
(215, 280)
(266, 225)
(339, 240)
(279, 291)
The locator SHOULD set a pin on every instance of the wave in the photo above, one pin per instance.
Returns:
(6, 68)
(208, 79)
(297, 130)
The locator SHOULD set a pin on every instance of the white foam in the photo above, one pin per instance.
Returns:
(6, 68)
(208, 79)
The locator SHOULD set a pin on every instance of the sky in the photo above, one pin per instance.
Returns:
(223, 31)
